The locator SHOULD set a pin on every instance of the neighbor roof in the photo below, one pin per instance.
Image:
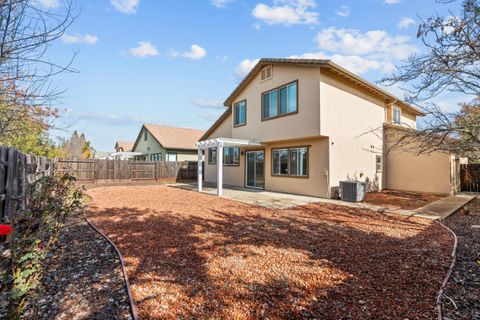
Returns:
(323, 64)
(125, 145)
(174, 138)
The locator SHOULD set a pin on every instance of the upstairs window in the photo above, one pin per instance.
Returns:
(145, 135)
(397, 115)
(240, 113)
(280, 101)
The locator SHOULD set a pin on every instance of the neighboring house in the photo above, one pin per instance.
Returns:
(101, 154)
(163, 143)
(123, 146)
(301, 126)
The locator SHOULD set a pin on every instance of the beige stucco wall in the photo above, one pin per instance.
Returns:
(423, 173)
(302, 124)
(231, 175)
(407, 118)
(187, 156)
(316, 184)
(353, 121)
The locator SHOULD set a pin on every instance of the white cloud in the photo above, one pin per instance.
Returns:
(196, 52)
(405, 22)
(287, 12)
(353, 63)
(144, 49)
(47, 4)
(392, 1)
(374, 42)
(361, 52)
(207, 103)
(343, 11)
(125, 6)
(245, 66)
(78, 38)
(220, 3)
(222, 58)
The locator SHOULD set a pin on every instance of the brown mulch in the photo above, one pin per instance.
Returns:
(191, 255)
(83, 277)
(462, 294)
(400, 199)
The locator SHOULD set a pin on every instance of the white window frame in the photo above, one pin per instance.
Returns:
(172, 154)
(377, 164)
(156, 156)
(210, 155)
(235, 106)
(394, 111)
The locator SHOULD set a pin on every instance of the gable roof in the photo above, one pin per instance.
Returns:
(328, 64)
(125, 145)
(173, 137)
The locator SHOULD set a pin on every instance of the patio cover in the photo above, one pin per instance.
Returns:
(219, 143)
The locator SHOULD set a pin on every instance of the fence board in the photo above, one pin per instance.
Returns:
(470, 177)
(88, 170)
(17, 171)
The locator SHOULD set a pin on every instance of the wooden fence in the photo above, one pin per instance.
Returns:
(17, 171)
(470, 177)
(103, 170)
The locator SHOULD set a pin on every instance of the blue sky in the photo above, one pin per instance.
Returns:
(174, 62)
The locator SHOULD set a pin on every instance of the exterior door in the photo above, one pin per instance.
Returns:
(255, 169)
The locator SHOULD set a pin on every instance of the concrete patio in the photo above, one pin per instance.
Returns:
(262, 198)
(274, 200)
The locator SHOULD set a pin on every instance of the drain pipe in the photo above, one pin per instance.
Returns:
(133, 307)
(449, 272)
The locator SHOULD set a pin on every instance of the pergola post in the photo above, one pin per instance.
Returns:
(200, 169)
(220, 169)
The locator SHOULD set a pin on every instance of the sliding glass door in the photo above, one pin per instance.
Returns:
(255, 169)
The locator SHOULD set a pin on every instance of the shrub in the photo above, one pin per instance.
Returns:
(49, 201)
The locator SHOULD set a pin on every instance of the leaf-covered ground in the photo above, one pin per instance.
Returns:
(462, 294)
(192, 255)
(83, 278)
(401, 199)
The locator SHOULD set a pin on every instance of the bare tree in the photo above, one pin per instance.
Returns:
(26, 32)
(451, 64)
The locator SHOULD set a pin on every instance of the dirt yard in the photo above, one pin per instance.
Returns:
(400, 199)
(193, 255)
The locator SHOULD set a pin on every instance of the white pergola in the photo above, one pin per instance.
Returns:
(219, 143)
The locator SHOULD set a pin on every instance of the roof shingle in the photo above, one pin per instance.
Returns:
(175, 138)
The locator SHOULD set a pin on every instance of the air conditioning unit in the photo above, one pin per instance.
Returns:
(352, 191)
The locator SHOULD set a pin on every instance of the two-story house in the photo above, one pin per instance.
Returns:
(301, 126)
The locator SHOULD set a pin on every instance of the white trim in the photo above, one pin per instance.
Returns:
(199, 170)
(399, 115)
(219, 143)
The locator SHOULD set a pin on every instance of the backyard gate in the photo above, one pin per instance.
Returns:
(470, 177)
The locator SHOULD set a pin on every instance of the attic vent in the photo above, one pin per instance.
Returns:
(266, 73)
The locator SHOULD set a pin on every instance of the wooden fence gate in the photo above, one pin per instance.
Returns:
(470, 177)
